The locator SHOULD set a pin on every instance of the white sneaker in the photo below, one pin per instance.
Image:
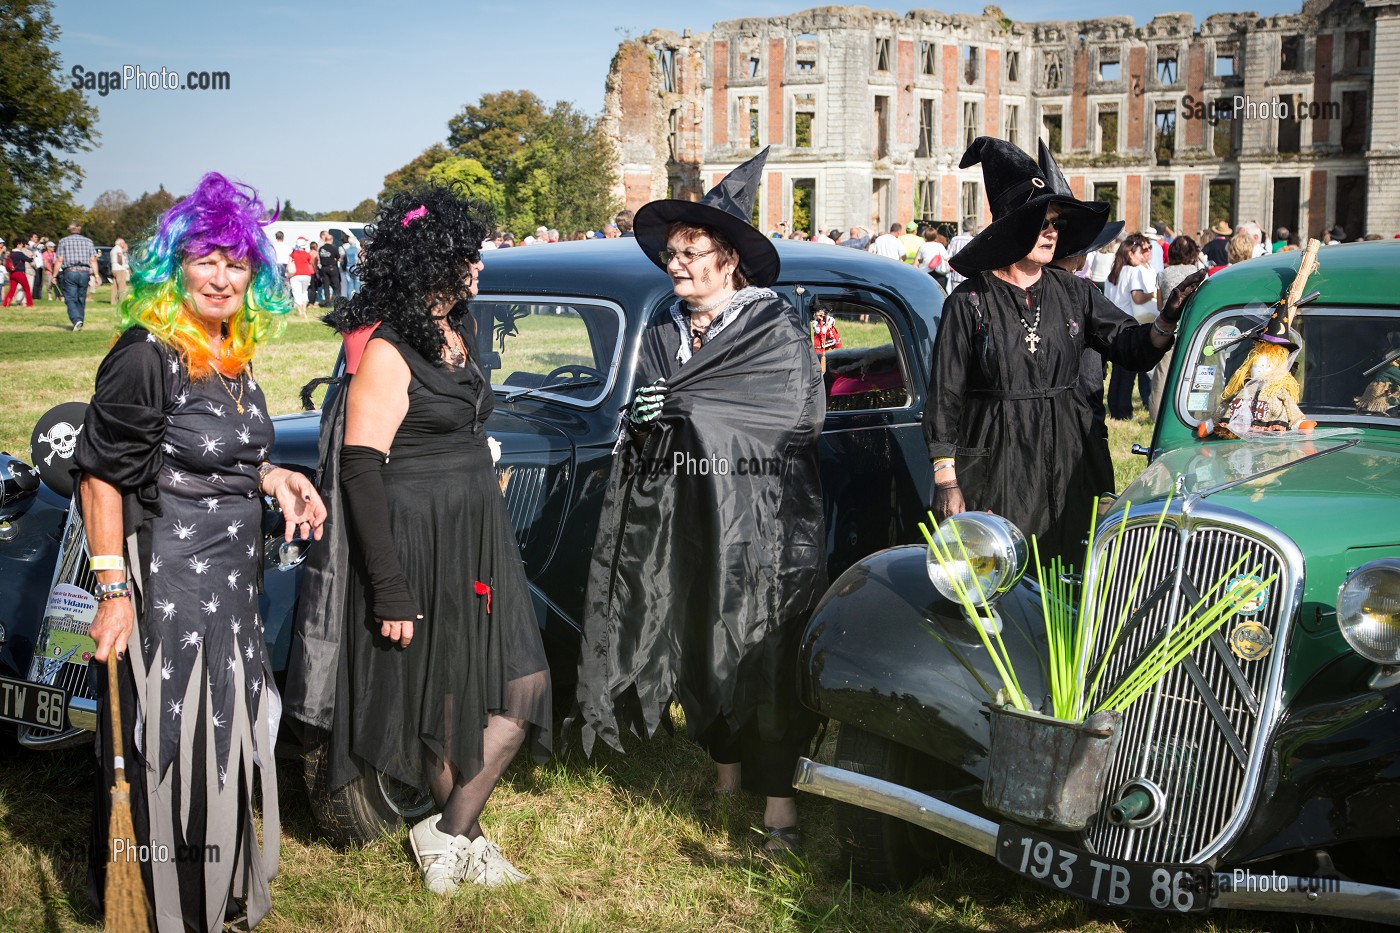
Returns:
(441, 857)
(486, 865)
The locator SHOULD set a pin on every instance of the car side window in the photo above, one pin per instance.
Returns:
(861, 363)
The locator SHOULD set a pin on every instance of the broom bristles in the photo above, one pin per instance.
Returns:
(124, 899)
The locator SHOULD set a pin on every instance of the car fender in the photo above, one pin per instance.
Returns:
(886, 653)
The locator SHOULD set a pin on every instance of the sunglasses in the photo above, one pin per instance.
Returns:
(1059, 223)
(686, 256)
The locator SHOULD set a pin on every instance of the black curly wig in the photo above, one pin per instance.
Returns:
(407, 268)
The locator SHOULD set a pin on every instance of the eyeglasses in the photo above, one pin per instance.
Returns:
(686, 256)
(1059, 223)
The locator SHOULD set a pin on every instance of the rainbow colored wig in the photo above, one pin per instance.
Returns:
(217, 215)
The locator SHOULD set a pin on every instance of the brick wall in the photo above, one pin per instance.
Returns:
(777, 126)
(1137, 63)
(1191, 221)
(1322, 88)
(719, 109)
(1318, 219)
(1079, 105)
(905, 124)
(1194, 131)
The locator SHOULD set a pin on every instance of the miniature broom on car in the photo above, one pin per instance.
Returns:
(124, 896)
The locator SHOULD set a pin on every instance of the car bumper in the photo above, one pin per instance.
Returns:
(1341, 899)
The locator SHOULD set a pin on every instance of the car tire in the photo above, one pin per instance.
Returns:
(364, 809)
(884, 852)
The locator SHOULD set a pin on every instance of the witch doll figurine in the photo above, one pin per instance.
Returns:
(1262, 395)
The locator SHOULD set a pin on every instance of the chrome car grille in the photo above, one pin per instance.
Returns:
(524, 490)
(1200, 735)
(70, 674)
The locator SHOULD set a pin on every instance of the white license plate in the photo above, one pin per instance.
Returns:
(32, 704)
(1136, 885)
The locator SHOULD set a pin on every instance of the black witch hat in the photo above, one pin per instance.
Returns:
(1057, 184)
(1276, 329)
(1019, 192)
(726, 208)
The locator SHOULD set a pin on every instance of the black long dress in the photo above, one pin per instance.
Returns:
(702, 581)
(1012, 419)
(478, 638)
(202, 700)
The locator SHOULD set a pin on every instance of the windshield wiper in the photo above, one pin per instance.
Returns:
(512, 393)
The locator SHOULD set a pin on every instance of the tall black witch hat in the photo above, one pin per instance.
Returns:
(1057, 184)
(726, 208)
(1019, 192)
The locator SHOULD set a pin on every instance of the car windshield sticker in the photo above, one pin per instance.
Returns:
(70, 612)
(1198, 401)
(1251, 641)
(1205, 378)
(1224, 335)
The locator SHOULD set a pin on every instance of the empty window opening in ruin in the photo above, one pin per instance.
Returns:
(1108, 130)
(666, 58)
(1109, 69)
(925, 198)
(971, 206)
(1226, 65)
(1011, 128)
(1287, 200)
(927, 124)
(1162, 202)
(1052, 123)
(1165, 121)
(804, 204)
(882, 53)
(1052, 71)
(1013, 66)
(882, 126)
(1222, 200)
(673, 132)
(1290, 128)
(1166, 64)
(1107, 191)
(1355, 119)
(805, 49)
(804, 112)
(750, 58)
(972, 121)
(880, 207)
(1290, 53)
(971, 56)
(1222, 126)
(928, 58)
(1357, 51)
(1350, 213)
(748, 120)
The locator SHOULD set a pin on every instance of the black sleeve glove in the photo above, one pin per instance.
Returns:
(1176, 301)
(365, 500)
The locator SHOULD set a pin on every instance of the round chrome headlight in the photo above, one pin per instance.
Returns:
(984, 553)
(1368, 610)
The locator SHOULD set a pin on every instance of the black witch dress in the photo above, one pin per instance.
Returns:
(397, 709)
(1003, 399)
(202, 702)
(711, 545)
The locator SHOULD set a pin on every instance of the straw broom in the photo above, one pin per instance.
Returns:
(125, 894)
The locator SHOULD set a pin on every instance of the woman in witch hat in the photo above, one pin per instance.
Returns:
(1005, 428)
(709, 554)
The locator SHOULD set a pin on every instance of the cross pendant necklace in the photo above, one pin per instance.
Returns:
(1032, 327)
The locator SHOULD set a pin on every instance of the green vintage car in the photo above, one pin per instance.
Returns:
(1264, 770)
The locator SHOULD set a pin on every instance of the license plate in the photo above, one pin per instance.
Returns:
(1136, 885)
(32, 704)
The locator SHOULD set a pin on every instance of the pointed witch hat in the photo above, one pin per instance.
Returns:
(1019, 194)
(1057, 184)
(726, 208)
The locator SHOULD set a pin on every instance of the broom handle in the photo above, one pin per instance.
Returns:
(112, 701)
(1306, 267)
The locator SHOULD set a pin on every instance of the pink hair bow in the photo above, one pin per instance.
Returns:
(411, 216)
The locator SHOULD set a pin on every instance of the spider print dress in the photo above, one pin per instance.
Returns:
(204, 706)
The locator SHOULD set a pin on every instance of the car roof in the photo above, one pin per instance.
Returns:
(1348, 274)
(618, 269)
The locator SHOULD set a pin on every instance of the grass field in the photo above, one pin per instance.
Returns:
(613, 843)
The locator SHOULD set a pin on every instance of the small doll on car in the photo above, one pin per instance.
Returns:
(1262, 395)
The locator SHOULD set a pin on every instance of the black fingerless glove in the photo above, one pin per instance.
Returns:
(362, 485)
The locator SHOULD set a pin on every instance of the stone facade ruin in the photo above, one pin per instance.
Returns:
(1289, 120)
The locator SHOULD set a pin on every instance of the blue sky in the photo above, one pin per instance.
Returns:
(327, 98)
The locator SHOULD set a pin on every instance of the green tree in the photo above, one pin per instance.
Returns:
(138, 219)
(42, 117)
(100, 222)
(415, 172)
(471, 176)
(497, 130)
(365, 211)
(287, 212)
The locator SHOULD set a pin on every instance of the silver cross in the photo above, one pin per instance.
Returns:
(1032, 340)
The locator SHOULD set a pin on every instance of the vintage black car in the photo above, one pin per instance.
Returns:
(560, 330)
(1264, 770)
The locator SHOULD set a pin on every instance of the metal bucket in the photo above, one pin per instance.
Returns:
(1048, 772)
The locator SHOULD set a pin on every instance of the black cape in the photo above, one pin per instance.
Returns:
(1020, 432)
(711, 545)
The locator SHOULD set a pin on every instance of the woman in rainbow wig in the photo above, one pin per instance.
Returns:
(173, 454)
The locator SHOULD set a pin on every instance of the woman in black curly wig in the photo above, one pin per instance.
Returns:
(444, 670)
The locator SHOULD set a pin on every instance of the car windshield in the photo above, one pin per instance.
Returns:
(560, 348)
(1348, 363)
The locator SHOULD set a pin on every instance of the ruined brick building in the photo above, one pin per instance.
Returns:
(869, 112)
